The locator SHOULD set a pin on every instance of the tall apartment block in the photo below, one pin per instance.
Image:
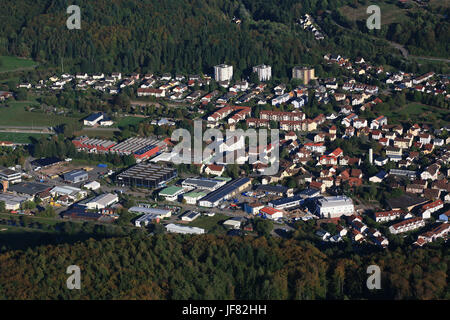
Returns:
(264, 72)
(303, 73)
(223, 72)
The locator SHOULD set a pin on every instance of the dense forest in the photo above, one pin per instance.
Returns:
(177, 35)
(210, 267)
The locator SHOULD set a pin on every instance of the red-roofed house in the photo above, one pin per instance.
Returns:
(271, 213)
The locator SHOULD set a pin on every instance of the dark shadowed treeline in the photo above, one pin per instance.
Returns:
(208, 267)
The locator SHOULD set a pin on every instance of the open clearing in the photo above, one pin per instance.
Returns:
(16, 115)
(210, 223)
(390, 13)
(8, 64)
(21, 137)
(418, 112)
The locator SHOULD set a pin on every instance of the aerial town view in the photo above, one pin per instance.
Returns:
(224, 150)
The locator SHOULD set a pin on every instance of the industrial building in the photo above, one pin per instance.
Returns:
(149, 215)
(29, 188)
(141, 148)
(171, 193)
(334, 207)
(10, 175)
(102, 201)
(203, 183)
(230, 189)
(193, 197)
(271, 213)
(309, 193)
(95, 118)
(175, 228)
(146, 175)
(45, 162)
(404, 173)
(12, 201)
(159, 213)
(71, 192)
(190, 216)
(285, 203)
(76, 176)
(234, 223)
(273, 190)
(93, 185)
(93, 145)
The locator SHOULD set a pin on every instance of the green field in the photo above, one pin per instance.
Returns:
(21, 137)
(126, 121)
(390, 13)
(16, 115)
(419, 112)
(213, 224)
(100, 134)
(14, 64)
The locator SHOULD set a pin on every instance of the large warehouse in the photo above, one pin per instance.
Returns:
(102, 201)
(334, 207)
(176, 228)
(98, 145)
(203, 183)
(230, 189)
(76, 176)
(146, 175)
(141, 148)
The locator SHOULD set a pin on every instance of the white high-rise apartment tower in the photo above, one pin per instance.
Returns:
(303, 73)
(264, 72)
(223, 72)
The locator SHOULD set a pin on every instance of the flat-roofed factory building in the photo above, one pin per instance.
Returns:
(93, 145)
(334, 207)
(146, 175)
(9, 175)
(202, 183)
(12, 201)
(227, 191)
(176, 228)
(76, 176)
(140, 148)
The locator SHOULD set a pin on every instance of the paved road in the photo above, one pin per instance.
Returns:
(27, 129)
(406, 54)
(100, 129)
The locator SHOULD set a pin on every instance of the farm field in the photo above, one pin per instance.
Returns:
(8, 64)
(21, 137)
(16, 115)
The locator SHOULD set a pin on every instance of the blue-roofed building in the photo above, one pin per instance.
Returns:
(309, 193)
(285, 203)
(93, 119)
(214, 198)
(378, 177)
(146, 151)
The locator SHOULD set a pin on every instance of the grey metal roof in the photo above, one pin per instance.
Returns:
(226, 189)
(202, 183)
